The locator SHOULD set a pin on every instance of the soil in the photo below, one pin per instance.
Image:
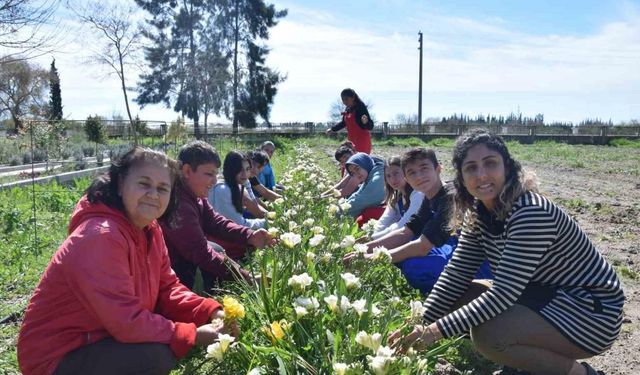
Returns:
(607, 207)
(611, 218)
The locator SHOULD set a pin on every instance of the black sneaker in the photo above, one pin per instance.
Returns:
(591, 370)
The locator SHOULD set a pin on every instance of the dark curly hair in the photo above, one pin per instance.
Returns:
(516, 181)
(104, 188)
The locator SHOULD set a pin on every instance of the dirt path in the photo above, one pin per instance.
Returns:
(608, 209)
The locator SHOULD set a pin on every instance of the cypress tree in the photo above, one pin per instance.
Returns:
(55, 101)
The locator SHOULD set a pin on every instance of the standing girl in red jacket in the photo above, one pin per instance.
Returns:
(357, 120)
(109, 302)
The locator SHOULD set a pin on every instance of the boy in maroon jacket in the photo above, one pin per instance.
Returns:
(186, 239)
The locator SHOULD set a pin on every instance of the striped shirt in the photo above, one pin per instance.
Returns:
(538, 244)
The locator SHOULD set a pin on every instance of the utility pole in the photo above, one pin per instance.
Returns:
(420, 84)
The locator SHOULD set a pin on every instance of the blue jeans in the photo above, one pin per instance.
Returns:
(423, 272)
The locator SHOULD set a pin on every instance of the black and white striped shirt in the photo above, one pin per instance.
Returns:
(540, 244)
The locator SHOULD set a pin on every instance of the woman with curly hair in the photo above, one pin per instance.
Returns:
(109, 302)
(554, 298)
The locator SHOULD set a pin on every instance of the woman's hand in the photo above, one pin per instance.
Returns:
(329, 132)
(419, 339)
(208, 333)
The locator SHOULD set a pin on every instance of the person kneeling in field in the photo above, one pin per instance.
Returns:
(266, 176)
(422, 248)
(230, 197)
(109, 302)
(202, 238)
(259, 160)
(366, 202)
(347, 185)
(554, 299)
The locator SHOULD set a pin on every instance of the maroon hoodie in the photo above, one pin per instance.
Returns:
(108, 279)
(197, 221)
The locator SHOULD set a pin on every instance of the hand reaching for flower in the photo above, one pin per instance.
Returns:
(418, 339)
(261, 238)
(208, 333)
(349, 257)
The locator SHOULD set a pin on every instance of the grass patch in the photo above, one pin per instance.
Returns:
(627, 273)
(624, 142)
(576, 204)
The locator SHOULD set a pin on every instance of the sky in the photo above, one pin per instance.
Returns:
(569, 60)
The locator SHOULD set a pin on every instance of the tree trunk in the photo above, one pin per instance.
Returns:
(206, 117)
(126, 99)
(235, 72)
(192, 83)
(17, 123)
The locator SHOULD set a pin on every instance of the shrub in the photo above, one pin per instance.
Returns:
(65, 153)
(115, 151)
(100, 158)
(39, 155)
(26, 157)
(15, 160)
(80, 162)
(88, 150)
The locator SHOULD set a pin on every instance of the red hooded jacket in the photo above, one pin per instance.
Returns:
(108, 279)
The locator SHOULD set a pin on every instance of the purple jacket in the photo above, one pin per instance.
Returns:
(187, 242)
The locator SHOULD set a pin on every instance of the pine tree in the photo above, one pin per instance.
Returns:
(55, 100)
(243, 24)
(175, 32)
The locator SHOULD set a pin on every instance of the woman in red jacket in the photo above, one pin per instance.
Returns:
(357, 120)
(109, 302)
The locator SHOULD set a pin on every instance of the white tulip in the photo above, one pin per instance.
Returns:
(316, 240)
(351, 280)
(348, 241)
(301, 281)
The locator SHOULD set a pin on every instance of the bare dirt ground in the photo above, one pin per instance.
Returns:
(611, 218)
(605, 200)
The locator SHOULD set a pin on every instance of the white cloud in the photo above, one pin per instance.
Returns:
(321, 59)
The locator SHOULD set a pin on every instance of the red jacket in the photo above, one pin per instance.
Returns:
(108, 279)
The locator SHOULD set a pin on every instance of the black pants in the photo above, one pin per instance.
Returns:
(111, 357)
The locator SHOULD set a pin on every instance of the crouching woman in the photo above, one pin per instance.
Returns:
(554, 298)
(109, 302)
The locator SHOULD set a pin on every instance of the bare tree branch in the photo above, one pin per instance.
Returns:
(120, 40)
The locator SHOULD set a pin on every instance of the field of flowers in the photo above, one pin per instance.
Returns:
(308, 313)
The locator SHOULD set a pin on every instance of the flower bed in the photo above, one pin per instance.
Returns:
(308, 313)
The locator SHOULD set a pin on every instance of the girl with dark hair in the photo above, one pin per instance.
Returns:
(554, 300)
(357, 120)
(228, 196)
(109, 297)
(400, 199)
